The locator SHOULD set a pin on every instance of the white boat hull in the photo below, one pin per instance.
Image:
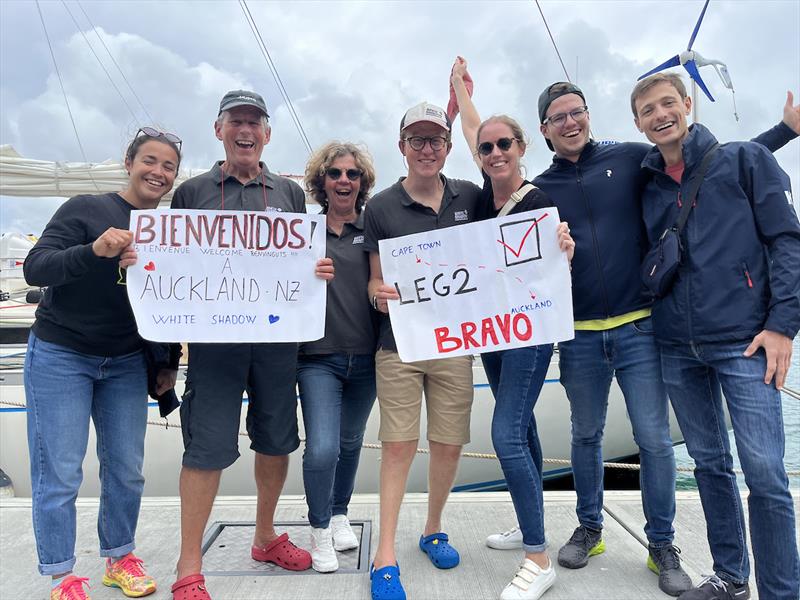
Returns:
(164, 445)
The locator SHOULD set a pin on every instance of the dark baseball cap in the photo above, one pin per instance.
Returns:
(236, 98)
(556, 90)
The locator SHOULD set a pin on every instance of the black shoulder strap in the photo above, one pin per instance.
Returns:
(694, 187)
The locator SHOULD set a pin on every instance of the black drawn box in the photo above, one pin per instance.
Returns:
(520, 240)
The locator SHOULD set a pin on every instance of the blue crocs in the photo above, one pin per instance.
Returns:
(385, 583)
(439, 550)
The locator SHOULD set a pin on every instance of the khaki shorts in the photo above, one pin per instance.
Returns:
(447, 383)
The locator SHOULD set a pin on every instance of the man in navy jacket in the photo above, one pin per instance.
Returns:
(727, 324)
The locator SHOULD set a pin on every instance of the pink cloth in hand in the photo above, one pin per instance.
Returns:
(452, 104)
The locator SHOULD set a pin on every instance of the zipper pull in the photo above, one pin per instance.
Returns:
(747, 275)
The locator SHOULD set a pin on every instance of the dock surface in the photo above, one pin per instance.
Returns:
(619, 573)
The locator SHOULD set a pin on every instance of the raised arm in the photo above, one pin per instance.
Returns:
(470, 119)
(791, 113)
(784, 132)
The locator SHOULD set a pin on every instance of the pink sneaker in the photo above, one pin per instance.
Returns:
(70, 589)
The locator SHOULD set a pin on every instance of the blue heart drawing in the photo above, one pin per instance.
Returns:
(273, 319)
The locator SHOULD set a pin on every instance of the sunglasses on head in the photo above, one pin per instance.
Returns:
(155, 133)
(503, 143)
(334, 173)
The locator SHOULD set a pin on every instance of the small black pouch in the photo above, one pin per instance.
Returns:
(661, 263)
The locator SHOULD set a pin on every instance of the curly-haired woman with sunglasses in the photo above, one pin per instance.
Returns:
(85, 360)
(516, 376)
(336, 374)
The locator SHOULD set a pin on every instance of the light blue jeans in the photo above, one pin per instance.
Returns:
(588, 363)
(64, 389)
(696, 376)
(516, 377)
(337, 392)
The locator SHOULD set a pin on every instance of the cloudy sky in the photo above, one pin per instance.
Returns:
(352, 68)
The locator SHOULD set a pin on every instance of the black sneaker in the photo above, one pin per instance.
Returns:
(584, 543)
(664, 562)
(714, 588)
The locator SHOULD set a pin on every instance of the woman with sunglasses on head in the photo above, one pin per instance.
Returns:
(515, 376)
(336, 374)
(85, 360)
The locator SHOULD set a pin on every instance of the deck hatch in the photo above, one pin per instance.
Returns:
(226, 549)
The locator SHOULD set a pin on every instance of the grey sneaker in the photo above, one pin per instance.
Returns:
(584, 543)
(664, 562)
(714, 588)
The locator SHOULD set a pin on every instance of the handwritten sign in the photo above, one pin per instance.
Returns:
(501, 283)
(227, 276)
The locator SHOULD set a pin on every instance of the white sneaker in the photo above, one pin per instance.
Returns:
(530, 582)
(344, 538)
(323, 556)
(508, 540)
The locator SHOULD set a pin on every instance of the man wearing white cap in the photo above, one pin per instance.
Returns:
(422, 201)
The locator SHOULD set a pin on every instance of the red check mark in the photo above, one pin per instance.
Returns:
(524, 237)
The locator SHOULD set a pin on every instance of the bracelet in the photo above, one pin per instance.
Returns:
(375, 302)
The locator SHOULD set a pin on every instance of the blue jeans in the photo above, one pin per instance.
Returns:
(64, 389)
(694, 374)
(516, 378)
(588, 363)
(337, 392)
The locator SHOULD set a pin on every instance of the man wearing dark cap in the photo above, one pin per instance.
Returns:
(218, 374)
(423, 201)
(597, 189)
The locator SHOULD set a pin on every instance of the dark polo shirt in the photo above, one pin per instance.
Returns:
(393, 213)
(205, 192)
(350, 323)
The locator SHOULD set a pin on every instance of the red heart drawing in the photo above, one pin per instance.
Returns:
(151, 266)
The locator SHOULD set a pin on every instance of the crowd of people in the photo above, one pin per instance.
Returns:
(725, 324)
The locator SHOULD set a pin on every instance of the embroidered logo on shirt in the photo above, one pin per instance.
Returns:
(359, 239)
(788, 197)
(609, 172)
(461, 215)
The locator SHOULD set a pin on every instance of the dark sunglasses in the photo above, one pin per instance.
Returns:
(155, 133)
(334, 173)
(503, 143)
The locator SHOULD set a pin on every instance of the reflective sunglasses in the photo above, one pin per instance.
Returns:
(560, 119)
(503, 143)
(155, 133)
(334, 173)
(417, 142)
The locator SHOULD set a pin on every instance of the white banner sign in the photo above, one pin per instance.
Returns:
(227, 276)
(480, 287)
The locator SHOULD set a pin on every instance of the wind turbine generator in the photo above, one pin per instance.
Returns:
(691, 60)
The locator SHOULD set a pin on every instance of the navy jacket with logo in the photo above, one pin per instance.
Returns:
(740, 271)
(599, 196)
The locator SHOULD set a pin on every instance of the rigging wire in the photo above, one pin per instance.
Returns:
(108, 75)
(555, 47)
(113, 60)
(273, 69)
(64, 93)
